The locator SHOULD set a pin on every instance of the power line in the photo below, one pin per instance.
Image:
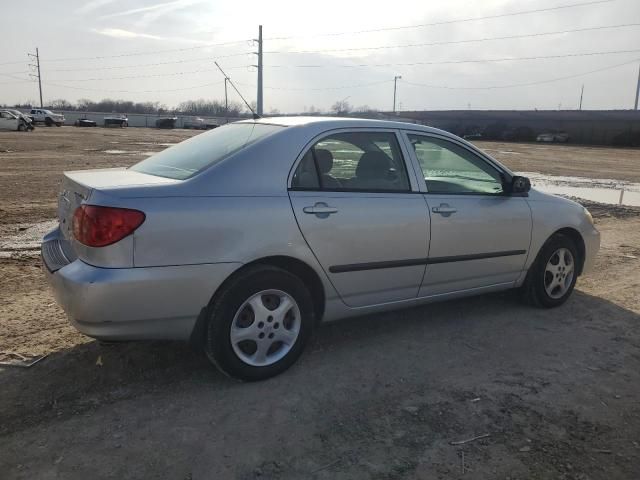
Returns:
(321, 89)
(135, 54)
(452, 62)
(154, 75)
(70, 87)
(448, 22)
(453, 42)
(201, 59)
(527, 84)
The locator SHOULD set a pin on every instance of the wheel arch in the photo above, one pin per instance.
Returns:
(295, 266)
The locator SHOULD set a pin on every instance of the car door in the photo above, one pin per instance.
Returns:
(480, 236)
(8, 121)
(360, 210)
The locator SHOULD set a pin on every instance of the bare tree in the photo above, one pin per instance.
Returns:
(341, 107)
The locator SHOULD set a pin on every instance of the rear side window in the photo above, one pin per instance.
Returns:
(191, 156)
(355, 161)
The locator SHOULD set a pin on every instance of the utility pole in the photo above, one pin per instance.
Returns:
(637, 90)
(395, 87)
(581, 94)
(259, 53)
(37, 65)
(226, 102)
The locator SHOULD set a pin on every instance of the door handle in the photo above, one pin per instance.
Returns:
(444, 209)
(321, 209)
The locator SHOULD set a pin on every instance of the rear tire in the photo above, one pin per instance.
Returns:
(552, 277)
(48, 122)
(259, 323)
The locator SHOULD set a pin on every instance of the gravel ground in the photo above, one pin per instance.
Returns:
(549, 393)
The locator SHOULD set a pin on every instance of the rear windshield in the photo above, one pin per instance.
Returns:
(193, 155)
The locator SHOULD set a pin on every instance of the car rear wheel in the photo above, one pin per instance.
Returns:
(259, 323)
(48, 122)
(553, 275)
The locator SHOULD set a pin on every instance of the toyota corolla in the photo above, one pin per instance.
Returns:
(244, 238)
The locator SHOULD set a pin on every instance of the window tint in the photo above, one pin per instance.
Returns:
(450, 168)
(193, 155)
(366, 161)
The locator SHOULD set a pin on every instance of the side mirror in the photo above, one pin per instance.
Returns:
(520, 185)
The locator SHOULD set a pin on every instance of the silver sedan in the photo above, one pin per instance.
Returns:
(244, 238)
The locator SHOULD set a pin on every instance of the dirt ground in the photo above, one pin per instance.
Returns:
(552, 393)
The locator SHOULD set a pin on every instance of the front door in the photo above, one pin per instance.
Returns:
(8, 121)
(479, 236)
(359, 209)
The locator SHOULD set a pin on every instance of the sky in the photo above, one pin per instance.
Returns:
(316, 53)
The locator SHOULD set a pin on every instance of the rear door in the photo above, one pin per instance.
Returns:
(479, 235)
(360, 211)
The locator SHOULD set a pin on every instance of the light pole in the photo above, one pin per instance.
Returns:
(395, 87)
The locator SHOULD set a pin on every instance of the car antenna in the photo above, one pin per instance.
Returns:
(255, 115)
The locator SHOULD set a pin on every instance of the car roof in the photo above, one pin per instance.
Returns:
(330, 123)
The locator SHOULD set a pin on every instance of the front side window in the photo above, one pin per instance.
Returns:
(191, 156)
(355, 161)
(450, 168)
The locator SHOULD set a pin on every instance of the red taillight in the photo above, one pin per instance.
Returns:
(101, 226)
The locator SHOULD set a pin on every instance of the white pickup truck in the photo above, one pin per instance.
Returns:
(39, 115)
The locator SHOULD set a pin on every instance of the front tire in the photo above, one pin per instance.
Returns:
(259, 323)
(553, 275)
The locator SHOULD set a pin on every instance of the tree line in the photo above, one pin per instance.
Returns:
(210, 108)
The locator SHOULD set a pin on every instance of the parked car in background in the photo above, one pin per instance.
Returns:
(243, 238)
(39, 115)
(116, 121)
(472, 136)
(166, 122)
(84, 122)
(27, 122)
(195, 123)
(560, 137)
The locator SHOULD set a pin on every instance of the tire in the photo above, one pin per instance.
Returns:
(58, 124)
(552, 277)
(21, 128)
(261, 351)
(48, 122)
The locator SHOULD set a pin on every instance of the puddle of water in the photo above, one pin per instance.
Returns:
(25, 239)
(613, 192)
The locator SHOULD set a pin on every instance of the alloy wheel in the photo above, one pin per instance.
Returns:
(265, 327)
(558, 273)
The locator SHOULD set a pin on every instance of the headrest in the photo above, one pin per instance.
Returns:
(373, 164)
(324, 159)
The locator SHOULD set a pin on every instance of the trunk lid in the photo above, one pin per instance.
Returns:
(80, 186)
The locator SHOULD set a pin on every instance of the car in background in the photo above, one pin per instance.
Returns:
(10, 121)
(195, 123)
(244, 238)
(166, 122)
(40, 115)
(116, 121)
(559, 137)
(28, 123)
(85, 122)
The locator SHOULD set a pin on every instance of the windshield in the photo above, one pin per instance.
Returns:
(193, 155)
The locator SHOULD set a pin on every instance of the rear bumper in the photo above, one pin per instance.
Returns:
(136, 303)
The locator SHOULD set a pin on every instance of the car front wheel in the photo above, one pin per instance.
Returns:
(259, 323)
(553, 275)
